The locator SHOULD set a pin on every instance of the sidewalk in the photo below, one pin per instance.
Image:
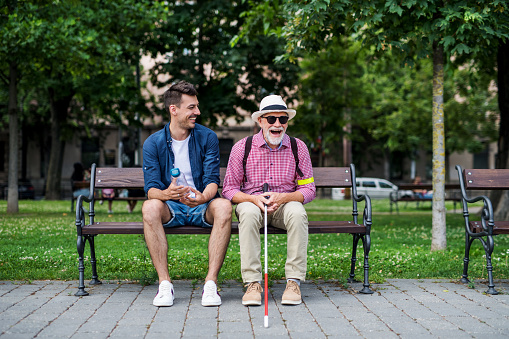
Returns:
(397, 309)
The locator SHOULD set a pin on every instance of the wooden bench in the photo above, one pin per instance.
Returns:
(486, 228)
(121, 178)
(397, 196)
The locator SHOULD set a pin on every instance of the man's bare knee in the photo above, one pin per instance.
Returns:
(153, 211)
(220, 210)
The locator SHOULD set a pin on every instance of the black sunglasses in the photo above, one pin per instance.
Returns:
(272, 119)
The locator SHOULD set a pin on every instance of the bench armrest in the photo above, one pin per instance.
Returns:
(80, 212)
(366, 215)
(487, 215)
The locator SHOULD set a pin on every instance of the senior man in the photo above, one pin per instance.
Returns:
(271, 157)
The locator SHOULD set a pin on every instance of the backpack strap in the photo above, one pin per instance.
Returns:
(247, 149)
(295, 151)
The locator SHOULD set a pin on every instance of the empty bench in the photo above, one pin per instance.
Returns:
(129, 178)
(487, 228)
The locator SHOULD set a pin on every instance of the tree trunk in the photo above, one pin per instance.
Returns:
(502, 161)
(58, 110)
(12, 198)
(438, 236)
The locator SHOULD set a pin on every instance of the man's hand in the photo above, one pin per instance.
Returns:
(174, 192)
(260, 200)
(273, 200)
(193, 202)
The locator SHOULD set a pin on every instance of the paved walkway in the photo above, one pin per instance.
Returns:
(397, 309)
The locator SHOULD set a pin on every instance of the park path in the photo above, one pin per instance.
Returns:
(399, 308)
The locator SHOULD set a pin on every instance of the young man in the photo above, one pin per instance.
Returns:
(271, 160)
(194, 149)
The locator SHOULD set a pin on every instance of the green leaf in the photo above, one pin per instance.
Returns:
(461, 48)
(449, 40)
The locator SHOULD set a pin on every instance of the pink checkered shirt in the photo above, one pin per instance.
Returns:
(264, 165)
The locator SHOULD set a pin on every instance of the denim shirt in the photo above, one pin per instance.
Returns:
(158, 158)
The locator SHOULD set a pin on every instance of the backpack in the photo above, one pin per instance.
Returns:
(295, 150)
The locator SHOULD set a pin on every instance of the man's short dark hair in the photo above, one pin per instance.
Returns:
(173, 95)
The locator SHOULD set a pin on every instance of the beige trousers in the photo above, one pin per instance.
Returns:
(291, 217)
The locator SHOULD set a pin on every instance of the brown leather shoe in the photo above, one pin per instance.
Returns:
(253, 295)
(291, 296)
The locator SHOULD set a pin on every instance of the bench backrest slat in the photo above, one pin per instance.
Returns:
(493, 179)
(112, 177)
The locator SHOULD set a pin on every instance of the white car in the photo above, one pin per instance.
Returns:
(376, 188)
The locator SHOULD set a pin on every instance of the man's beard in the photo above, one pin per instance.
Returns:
(275, 140)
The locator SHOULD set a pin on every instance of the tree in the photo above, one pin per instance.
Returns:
(82, 50)
(413, 29)
(20, 39)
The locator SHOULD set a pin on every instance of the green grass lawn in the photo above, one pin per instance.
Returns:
(40, 243)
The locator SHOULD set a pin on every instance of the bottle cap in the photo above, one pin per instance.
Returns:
(175, 172)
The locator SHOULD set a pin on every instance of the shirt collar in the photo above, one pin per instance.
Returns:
(168, 133)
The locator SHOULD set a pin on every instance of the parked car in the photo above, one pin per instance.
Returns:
(376, 188)
(25, 190)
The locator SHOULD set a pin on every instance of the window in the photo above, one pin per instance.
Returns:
(384, 185)
(481, 159)
(89, 152)
(368, 184)
(109, 157)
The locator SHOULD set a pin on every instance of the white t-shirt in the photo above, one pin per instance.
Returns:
(181, 152)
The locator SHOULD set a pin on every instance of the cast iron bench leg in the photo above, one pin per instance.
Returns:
(93, 262)
(488, 248)
(466, 259)
(366, 241)
(356, 238)
(81, 266)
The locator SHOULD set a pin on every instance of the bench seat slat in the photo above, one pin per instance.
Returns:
(500, 227)
(137, 228)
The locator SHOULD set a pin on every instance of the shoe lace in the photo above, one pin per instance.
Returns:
(210, 289)
(165, 289)
(292, 286)
(253, 287)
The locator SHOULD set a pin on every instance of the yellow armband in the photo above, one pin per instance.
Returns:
(305, 181)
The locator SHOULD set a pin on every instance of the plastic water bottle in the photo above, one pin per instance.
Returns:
(181, 179)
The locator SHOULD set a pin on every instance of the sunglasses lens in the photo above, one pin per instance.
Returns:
(272, 119)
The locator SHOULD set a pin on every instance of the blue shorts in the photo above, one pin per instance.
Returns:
(184, 215)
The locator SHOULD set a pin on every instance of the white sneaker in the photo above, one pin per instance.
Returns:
(165, 295)
(209, 296)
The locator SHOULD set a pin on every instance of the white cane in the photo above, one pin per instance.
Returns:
(266, 318)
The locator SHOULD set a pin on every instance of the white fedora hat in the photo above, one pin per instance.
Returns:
(272, 103)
